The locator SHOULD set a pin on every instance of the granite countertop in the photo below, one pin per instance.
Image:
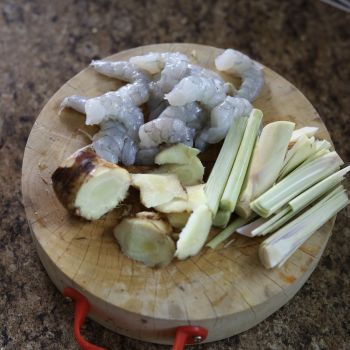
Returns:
(42, 46)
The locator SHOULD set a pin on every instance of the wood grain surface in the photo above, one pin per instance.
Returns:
(225, 290)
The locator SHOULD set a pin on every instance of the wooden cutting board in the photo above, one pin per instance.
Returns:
(225, 290)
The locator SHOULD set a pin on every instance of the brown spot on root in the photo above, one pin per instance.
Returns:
(67, 180)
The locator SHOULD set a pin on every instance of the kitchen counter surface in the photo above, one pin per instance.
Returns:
(42, 46)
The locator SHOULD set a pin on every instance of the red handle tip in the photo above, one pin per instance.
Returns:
(189, 335)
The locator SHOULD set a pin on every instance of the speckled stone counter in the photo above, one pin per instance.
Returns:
(43, 44)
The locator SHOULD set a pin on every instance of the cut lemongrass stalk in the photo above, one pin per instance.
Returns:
(295, 183)
(220, 173)
(281, 245)
(246, 230)
(317, 190)
(322, 148)
(316, 155)
(259, 231)
(229, 243)
(227, 232)
(222, 218)
(266, 163)
(306, 131)
(240, 166)
(305, 150)
(291, 213)
(299, 143)
(322, 144)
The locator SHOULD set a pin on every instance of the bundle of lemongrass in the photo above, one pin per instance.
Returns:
(284, 176)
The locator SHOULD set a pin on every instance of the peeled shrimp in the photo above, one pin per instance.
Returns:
(191, 114)
(113, 143)
(164, 130)
(156, 96)
(222, 116)
(170, 69)
(120, 105)
(109, 103)
(75, 102)
(121, 70)
(129, 152)
(108, 142)
(210, 92)
(173, 72)
(203, 72)
(154, 62)
(235, 62)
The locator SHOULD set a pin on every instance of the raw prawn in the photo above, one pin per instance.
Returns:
(120, 105)
(113, 143)
(222, 116)
(203, 72)
(156, 97)
(121, 70)
(75, 102)
(169, 69)
(164, 130)
(191, 114)
(154, 62)
(210, 92)
(174, 70)
(235, 62)
(114, 106)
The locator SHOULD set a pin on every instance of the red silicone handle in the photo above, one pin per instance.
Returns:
(189, 335)
(82, 307)
(184, 335)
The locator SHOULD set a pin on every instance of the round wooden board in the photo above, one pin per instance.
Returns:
(225, 290)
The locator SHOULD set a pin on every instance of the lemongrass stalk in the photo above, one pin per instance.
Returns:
(295, 183)
(299, 143)
(291, 213)
(259, 230)
(322, 144)
(334, 192)
(226, 233)
(306, 131)
(246, 230)
(317, 190)
(322, 148)
(281, 245)
(304, 151)
(240, 166)
(316, 155)
(222, 218)
(266, 163)
(220, 173)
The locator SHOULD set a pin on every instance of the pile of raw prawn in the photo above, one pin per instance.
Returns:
(187, 104)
